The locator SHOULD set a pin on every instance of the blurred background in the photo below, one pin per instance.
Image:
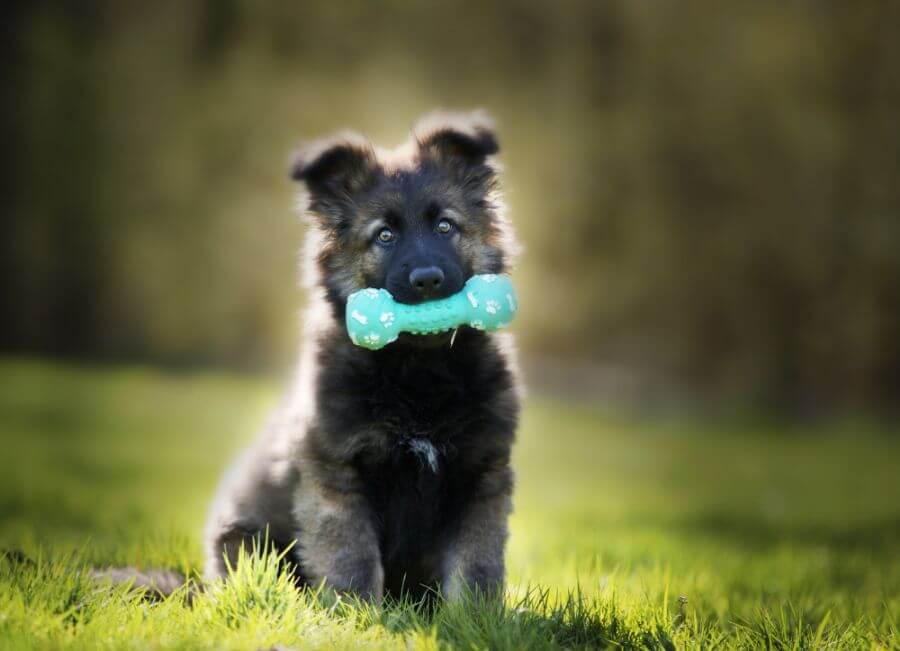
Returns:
(709, 200)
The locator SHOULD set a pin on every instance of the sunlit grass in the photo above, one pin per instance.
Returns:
(628, 531)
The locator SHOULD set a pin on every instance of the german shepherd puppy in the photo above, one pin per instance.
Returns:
(389, 470)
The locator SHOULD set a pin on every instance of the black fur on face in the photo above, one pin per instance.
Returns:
(417, 221)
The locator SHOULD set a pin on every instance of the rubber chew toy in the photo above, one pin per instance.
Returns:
(375, 319)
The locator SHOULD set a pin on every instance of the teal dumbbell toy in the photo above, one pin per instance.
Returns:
(375, 319)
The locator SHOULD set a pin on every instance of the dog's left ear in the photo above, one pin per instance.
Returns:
(334, 171)
(336, 165)
(458, 138)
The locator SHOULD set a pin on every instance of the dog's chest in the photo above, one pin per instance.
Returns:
(413, 495)
(419, 422)
(424, 407)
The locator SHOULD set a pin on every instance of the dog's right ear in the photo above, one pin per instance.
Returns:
(461, 138)
(334, 169)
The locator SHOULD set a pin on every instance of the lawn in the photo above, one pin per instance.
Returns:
(628, 531)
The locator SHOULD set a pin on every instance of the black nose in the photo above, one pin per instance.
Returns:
(426, 281)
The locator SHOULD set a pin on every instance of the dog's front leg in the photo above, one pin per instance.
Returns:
(338, 542)
(474, 557)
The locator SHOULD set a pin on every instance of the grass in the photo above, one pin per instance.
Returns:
(628, 532)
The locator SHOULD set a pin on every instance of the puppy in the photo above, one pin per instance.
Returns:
(388, 472)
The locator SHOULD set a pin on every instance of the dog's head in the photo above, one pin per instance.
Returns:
(417, 221)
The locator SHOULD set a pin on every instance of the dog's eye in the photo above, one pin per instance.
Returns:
(385, 235)
(444, 226)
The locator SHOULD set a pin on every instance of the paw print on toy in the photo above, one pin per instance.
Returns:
(478, 324)
(371, 338)
(387, 319)
(492, 306)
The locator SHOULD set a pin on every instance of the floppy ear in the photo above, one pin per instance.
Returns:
(334, 168)
(458, 138)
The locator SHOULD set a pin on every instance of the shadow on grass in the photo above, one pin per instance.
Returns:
(539, 619)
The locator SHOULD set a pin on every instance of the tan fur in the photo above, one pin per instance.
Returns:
(338, 542)
(475, 557)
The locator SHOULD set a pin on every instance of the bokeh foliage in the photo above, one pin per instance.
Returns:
(705, 191)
